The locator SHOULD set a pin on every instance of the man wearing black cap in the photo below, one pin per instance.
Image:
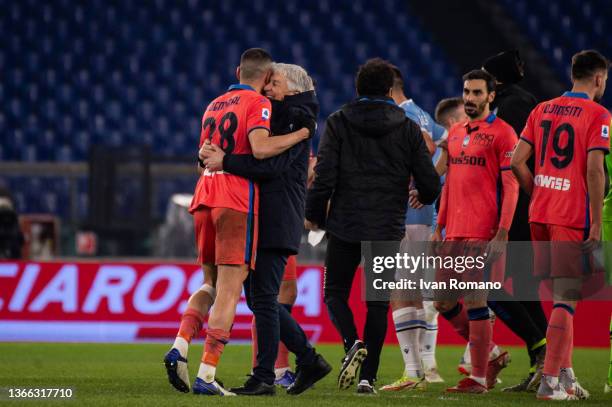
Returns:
(525, 318)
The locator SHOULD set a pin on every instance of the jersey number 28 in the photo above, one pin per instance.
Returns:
(227, 141)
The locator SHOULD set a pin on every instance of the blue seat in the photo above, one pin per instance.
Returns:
(560, 29)
(127, 72)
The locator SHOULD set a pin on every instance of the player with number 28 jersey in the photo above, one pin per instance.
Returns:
(227, 122)
(225, 206)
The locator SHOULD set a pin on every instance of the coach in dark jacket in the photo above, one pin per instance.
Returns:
(282, 189)
(367, 156)
(281, 179)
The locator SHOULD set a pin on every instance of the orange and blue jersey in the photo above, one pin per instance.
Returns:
(478, 152)
(562, 132)
(227, 122)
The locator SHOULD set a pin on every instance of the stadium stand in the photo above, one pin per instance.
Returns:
(560, 29)
(123, 73)
(127, 73)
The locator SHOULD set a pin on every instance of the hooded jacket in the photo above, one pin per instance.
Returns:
(367, 155)
(513, 104)
(281, 179)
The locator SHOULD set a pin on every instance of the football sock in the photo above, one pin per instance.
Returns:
(191, 324)
(457, 317)
(480, 340)
(557, 338)
(282, 360)
(566, 362)
(182, 345)
(429, 336)
(213, 348)
(408, 328)
(466, 359)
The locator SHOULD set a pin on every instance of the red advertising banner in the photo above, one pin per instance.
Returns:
(126, 302)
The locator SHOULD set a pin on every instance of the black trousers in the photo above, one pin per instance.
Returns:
(341, 262)
(273, 322)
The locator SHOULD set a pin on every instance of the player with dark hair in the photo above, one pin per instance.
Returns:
(479, 161)
(569, 136)
(368, 154)
(282, 186)
(225, 209)
(521, 311)
(415, 321)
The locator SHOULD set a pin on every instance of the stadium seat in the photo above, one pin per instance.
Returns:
(127, 73)
(552, 26)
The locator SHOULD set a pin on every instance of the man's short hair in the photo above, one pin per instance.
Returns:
(297, 77)
(481, 74)
(375, 77)
(398, 79)
(587, 63)
(254, 63)
(446, 107)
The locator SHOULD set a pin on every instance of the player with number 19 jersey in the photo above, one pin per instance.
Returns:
(227, 122)
(562, 131)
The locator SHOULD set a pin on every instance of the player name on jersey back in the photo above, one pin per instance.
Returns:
(562, 132)
(227, 122)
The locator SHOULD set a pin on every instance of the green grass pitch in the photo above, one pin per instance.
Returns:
(112, 375)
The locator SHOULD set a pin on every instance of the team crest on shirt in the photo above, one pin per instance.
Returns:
(605, 131)
(265, 113)
(483, 139)
(466, 141)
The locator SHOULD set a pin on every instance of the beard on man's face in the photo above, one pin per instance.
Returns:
(473, 110)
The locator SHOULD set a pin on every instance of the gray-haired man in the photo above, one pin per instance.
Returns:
(282, 188)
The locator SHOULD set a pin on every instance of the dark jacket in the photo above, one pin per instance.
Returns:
(513, 105)
(368, 153)
(11, 238)
(281, 179)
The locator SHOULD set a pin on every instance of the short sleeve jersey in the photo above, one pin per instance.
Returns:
(424, 215)
(607, 208)
(562, 131)
(227, 122)
(478, 152)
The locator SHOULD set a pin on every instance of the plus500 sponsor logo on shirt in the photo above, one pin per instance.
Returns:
(546, 181)
(464, 159)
